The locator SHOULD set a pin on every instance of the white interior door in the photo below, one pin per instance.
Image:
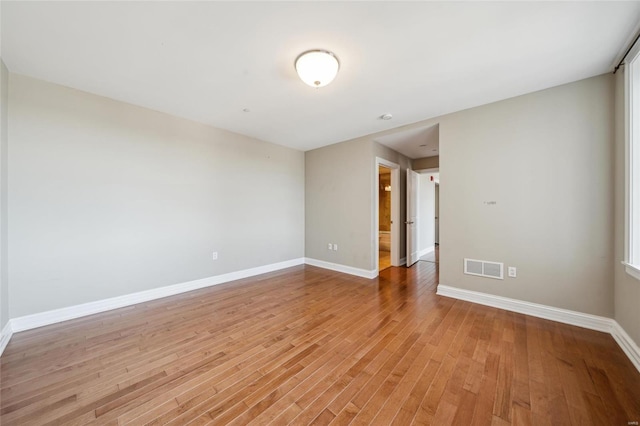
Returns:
(412, 217)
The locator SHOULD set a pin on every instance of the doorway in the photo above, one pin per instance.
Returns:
(384, 217)
(430, 230)
(386, 208)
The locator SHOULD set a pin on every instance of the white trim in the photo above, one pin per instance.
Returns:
(627, 344)
(403, 261)
(566, 316)
(342, 268)
(592, 322)
(632, 270)
(632, 160)
(627, 142)
(395, 213)
(41, 319)
(426, 251)
(5, 336)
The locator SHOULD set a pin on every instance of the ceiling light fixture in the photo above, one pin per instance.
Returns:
(317, 68)
(386, 117)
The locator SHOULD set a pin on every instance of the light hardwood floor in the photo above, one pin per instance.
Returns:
(306, 345)
(384, 259)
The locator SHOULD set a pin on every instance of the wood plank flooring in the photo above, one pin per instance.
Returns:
(310, 346)
(384, 259)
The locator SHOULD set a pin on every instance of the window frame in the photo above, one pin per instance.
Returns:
(632, 163)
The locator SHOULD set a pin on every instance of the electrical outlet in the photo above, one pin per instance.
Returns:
(335, 247)
(215, 255)
(512, 271)
(330, 246)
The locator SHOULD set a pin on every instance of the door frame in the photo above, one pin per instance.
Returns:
(395, 213)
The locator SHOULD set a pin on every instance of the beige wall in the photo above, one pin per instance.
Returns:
(546, 159)
(627, 288)
(381, 151)
(339, 201)
(426, 163)
(107, 199)
(338, 197)
(4, 277)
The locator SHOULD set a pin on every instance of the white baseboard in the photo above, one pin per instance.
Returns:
(626, 343)
(41, 319)
(403, 261)
(592, 322)
(341, 268)
(565, 316)
(5, 336)
(426, 251)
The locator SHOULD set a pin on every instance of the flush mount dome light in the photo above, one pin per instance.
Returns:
(317, 68)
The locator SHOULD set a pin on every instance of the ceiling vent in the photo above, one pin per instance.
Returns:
(483, 268)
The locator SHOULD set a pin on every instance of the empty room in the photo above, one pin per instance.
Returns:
(319, 213)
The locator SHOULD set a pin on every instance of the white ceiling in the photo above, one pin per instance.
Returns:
(207, 61)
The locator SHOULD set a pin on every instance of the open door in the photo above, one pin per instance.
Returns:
(412, 217)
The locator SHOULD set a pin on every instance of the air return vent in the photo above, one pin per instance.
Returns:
(483, 268)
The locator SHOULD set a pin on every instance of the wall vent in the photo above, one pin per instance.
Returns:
(483, 268)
